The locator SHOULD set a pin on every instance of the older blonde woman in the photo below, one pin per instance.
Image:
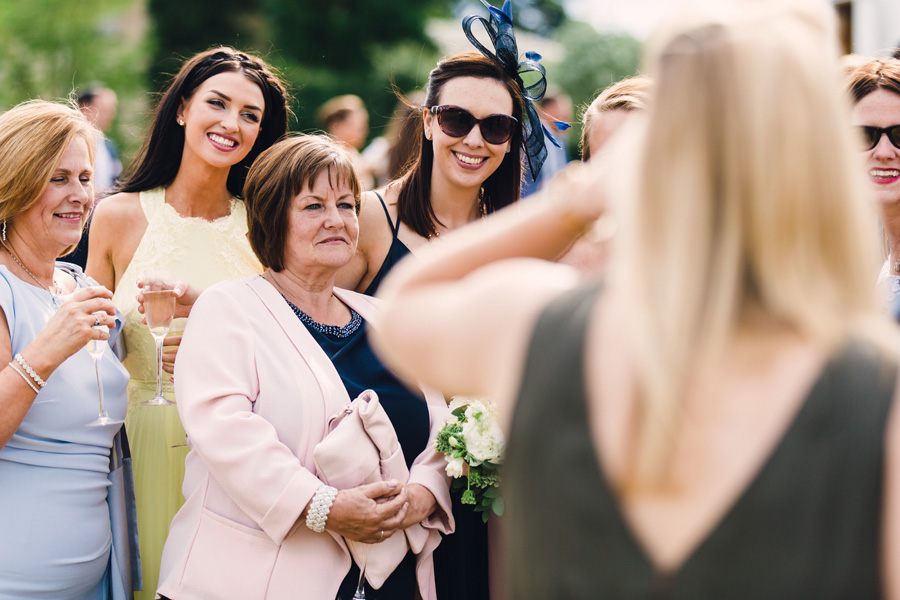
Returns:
(54, 466)
(264, 363)
(719, 419)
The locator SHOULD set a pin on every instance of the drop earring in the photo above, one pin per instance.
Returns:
(3, 236)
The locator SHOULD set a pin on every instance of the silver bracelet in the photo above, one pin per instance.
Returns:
(24, 376)
(319, 508)
(37, 378)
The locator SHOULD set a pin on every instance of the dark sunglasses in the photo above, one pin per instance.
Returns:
(458, 122)
(872, 135)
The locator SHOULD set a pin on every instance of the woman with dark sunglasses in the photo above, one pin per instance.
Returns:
(874, 88)
(468, 165)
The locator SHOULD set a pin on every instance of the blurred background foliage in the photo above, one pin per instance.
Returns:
(325, 48)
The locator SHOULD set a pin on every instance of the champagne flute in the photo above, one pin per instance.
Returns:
(159, 308)
(360, 593)
(96, 348)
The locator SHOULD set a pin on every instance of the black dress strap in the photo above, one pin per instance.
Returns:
(395, 229)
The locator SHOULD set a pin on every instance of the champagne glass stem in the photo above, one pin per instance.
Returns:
(360, 587)
(159, 347)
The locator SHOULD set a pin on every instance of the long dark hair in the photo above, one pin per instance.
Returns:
(501, 188)
(159, 159)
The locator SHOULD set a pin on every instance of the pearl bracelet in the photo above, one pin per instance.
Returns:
(319, 508)
(24, 376)
(37, 378)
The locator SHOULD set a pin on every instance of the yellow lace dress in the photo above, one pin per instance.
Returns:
(203, 253)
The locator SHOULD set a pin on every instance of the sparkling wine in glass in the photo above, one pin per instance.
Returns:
(96, 348)
(159, 308)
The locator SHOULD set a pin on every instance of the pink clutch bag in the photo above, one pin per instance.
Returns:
(361, 447)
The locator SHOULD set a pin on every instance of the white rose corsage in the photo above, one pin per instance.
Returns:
(473, 444)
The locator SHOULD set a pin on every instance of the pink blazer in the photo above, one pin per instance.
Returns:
(254, 392)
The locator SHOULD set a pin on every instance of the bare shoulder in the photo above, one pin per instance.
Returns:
(374, 227)
(122, 209)
(375, 236)
(117, 226)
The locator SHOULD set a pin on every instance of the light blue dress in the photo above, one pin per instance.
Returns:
(54, 520)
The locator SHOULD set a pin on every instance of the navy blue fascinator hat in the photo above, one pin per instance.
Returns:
(499, 27)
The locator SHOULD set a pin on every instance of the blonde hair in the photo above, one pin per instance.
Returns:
(750, 204)
(34, 135)
(628, 94)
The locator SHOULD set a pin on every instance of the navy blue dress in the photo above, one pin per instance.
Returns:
(461, 560)
(397, 251)
(349, 350)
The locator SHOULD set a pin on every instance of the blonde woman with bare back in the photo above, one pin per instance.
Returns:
(714, 420)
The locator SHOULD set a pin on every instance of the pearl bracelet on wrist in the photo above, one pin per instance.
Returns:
(31, 372)
(24, 376)
(317, 515)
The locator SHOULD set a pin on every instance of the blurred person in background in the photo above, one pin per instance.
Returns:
(874, 88)
(602, 118)
(718, 418)
(346, 119)
(179, 210)
(555, 109)
(98, 104)
(605, 115)
(61, 535)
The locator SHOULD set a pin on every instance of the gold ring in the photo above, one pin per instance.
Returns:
(382, 536)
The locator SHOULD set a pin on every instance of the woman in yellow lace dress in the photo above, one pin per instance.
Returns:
(178, 210)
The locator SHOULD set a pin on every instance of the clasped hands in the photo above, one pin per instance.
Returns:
(362, 513)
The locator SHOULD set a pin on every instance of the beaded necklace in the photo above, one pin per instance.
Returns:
(335, 330)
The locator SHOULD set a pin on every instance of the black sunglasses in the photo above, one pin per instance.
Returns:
(458, 122)
(872, 135)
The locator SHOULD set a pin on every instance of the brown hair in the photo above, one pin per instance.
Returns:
(628, 94)
(34, 135)
(159, 159)
(501, 188)
(337, 109)
(881, 73)
(277, 176)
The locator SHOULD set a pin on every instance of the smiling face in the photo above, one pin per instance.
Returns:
(468, 161)
(57, 218)
(323, 228)
(881, 108)
(222, 119)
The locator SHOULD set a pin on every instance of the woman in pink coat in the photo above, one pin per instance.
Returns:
(264, 363)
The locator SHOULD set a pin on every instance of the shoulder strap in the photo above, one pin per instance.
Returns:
(152, 201)
(394, 228)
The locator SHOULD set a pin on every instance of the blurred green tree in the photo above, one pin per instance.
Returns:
(52, 47)
(353, 46)
(591, 61)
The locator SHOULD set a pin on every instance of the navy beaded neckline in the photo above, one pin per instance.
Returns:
(341, 332)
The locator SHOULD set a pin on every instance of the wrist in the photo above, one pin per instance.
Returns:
(41, 363)
(320, 508)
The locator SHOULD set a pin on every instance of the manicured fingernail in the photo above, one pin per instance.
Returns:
(392, 484)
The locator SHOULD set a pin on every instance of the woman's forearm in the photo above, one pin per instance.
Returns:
(542, 227)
